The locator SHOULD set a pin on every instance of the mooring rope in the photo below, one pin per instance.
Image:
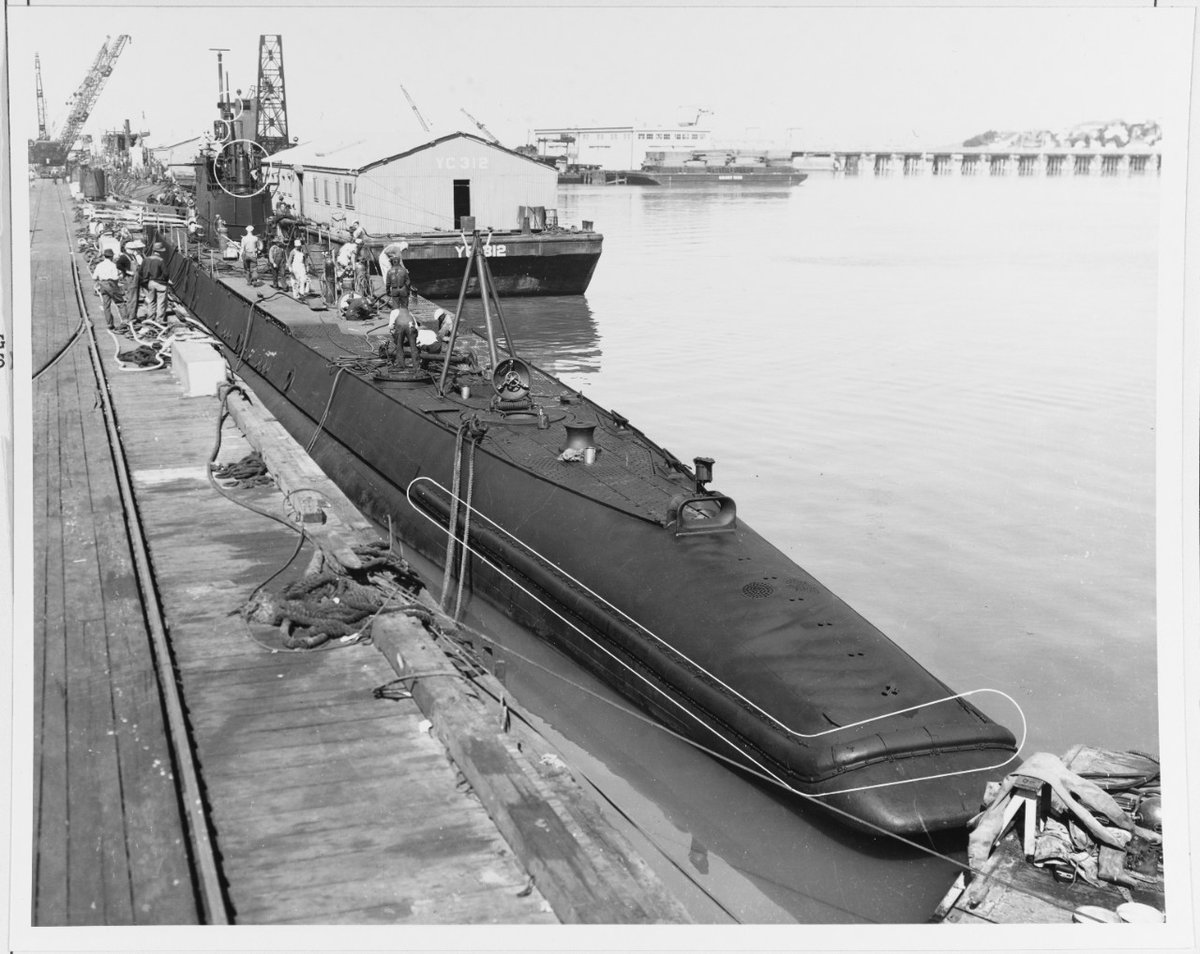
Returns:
(466, 551)
(324, 414)
(451, 539)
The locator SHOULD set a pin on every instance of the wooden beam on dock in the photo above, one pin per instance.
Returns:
(583, 866)
(342, 526)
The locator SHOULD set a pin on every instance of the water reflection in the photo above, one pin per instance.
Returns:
(733, 847)
(938, 397)
(556, 333)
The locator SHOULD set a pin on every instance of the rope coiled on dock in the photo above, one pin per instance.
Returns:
(332, 601)
(248, 472)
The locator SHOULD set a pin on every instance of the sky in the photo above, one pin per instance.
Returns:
(828, 76)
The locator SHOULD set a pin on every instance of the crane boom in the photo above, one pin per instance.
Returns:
(482, 128)
(89, 90)
(272, 131)
(41, 99)
(417, 112)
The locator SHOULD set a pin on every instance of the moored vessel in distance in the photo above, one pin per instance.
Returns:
(607, 546)
(708, 175)
(732, 167)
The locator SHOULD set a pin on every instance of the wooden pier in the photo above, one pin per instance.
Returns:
(108, 825)
(1006, 161)
(318, 802)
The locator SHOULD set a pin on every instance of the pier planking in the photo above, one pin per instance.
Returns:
(108, 848)
(328, 805)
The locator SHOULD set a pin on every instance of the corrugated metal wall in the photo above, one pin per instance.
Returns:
(416, 193)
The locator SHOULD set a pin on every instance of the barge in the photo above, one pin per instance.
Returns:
(580, 527)
(523, 263)
(707, 175)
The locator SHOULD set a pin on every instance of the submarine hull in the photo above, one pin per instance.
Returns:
(715, 631)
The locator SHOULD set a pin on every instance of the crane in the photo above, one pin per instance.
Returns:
(89, 90)
(417, 112)
(272, 131)
(47, 155)
(42, 135)
(482, 128)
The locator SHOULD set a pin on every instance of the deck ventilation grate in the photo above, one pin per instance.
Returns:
(757, 590)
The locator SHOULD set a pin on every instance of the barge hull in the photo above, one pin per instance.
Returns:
(521, 263)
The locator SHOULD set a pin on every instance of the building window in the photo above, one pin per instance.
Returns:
(349, 195)
(337, 192)
(641, 135)
(327, 192)
(316, 195)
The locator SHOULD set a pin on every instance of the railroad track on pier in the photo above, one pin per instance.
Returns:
(198, 835)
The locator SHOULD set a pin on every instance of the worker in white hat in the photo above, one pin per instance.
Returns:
(251, 249)
(299, 269)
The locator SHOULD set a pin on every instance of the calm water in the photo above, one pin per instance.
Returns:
(936, 395)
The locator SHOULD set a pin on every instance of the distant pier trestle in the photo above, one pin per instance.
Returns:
(986, 162)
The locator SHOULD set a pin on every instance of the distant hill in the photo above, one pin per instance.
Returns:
(1113, 133)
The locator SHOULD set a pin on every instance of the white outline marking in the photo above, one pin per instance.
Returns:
(676, 703)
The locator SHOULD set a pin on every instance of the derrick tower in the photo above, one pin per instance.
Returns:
(272, 130)
(42, 135)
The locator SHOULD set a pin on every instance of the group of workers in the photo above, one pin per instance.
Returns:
(124, 276)
(283, 262)
(289, 271)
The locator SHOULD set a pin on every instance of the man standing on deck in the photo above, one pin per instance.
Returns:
(402, 326)
(398, 285)
(391, 253)
(362, 268)
(153, 275)
(251, 249)
(299, 269)
(345, 264)
(108, 277)
(277, 256)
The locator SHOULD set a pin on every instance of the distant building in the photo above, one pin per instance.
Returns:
(618, 147)
(395, 186)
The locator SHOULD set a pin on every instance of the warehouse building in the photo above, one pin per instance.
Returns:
(392, 187)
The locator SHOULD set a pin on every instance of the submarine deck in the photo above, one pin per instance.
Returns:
(630, 472)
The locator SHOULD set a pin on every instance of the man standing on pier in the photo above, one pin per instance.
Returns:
(127, 265)
(153, 275)
(108, 277)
